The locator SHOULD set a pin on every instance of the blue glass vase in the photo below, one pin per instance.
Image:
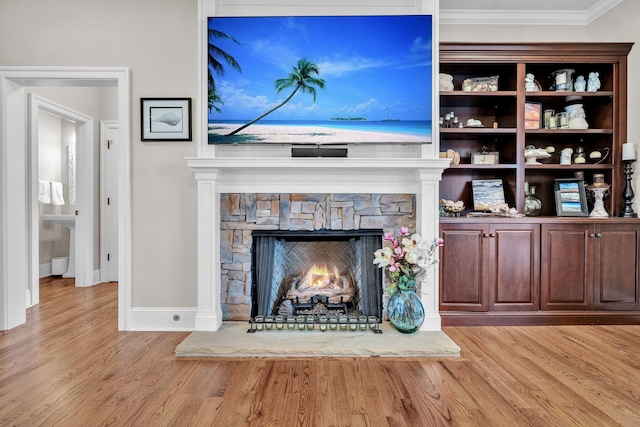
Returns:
(405, 311)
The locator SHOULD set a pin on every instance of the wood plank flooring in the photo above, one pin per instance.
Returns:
(69, 366)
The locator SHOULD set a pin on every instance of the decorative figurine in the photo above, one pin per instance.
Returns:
(530, 83)
(580, 84)
(594, 82)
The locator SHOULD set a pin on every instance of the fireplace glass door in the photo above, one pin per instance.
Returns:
(316, 273)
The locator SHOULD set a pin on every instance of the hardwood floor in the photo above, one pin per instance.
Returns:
(69, 366)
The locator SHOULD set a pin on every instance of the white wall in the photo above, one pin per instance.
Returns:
(157, 40)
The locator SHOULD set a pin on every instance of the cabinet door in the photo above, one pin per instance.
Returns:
(463, 267)
(566, 276)
(616, 270)
(515, 276)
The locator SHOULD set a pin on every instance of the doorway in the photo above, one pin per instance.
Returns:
(15, 191)
(83, 241)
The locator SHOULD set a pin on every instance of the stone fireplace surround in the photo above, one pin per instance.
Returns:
(218, 176)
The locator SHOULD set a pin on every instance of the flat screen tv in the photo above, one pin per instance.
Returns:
(320, 79)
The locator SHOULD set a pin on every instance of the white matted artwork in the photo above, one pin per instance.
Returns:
(488, 194)
(165, 119)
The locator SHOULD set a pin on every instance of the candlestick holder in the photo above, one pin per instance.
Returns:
(627, 195)
(599, 191)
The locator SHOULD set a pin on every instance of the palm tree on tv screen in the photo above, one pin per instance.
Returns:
(215, 53)
(303, 77)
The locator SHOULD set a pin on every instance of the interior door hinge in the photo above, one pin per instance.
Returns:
(108, 201)
(108, 257)
(109, 144)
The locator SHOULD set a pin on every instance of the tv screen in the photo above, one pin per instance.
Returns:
(320, 79)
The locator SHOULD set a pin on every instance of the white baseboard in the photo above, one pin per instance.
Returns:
(97, 277)
(44, 270)
(163, 318)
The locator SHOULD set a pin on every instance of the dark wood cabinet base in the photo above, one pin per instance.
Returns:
(539, 318)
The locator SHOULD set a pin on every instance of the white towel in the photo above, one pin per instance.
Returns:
(44, 192)
(56, 194)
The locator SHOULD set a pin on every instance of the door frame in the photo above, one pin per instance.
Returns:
(84, 130)
(14, 181)
(106, 231)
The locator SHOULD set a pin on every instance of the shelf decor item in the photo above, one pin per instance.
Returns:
(599, 190)
(480, 84)
(628, 158)
(571, 198)
(533, 154)
(485, 157)
(488, 194)
(532, 115)
(577, 117)
(532, 204)
(563, 80)
(405, 258)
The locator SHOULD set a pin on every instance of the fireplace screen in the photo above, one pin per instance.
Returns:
(316, 273)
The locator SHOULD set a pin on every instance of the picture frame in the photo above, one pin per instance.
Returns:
(488, 194)
(165, 119)
(532, 115)
(571, 198)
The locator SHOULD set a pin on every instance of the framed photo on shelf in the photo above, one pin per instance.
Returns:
(165, 119)
(532, 115)
(571, 198)
(488, 194)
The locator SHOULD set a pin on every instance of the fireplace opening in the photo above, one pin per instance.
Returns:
(316, 273)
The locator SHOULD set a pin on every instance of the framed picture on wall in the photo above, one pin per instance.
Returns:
(165, 119)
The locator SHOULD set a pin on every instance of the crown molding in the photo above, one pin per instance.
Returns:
(527, 17)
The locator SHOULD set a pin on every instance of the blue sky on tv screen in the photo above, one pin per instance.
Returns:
(374, 67)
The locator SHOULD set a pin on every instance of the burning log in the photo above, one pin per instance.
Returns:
(320, 281)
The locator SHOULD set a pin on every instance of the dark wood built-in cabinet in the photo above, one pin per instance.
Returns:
(499, 270)
(590, 266)
(544, 269)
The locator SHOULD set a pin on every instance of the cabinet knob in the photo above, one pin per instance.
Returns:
(485, 235)
(599, 235)
(488, 235)
(592, 235)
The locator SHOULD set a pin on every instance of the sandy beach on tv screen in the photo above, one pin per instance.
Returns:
(307, 135)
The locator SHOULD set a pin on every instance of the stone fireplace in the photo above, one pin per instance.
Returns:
(331, 228)
(239, 195)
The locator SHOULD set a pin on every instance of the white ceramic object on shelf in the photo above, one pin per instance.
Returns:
(532, 155)
(577, 116)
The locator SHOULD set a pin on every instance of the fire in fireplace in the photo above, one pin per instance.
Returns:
(316, 273)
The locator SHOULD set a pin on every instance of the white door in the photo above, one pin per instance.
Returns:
(109, 201)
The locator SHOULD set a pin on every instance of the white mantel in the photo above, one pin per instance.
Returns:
(216, 175)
